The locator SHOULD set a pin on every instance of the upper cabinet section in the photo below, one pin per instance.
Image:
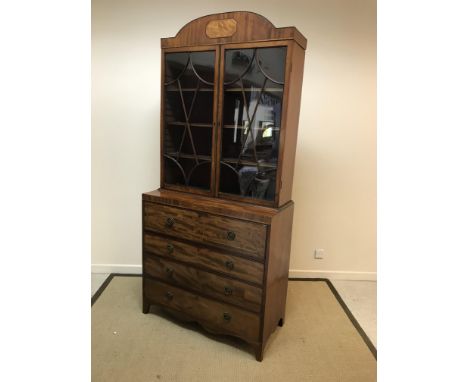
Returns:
(230, 99)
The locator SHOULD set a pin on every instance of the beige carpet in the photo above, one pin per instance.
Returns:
(317, 343)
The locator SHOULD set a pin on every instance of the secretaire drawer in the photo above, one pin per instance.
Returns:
(202, 227)
(219, 316)
(205, 257)
(224, 289)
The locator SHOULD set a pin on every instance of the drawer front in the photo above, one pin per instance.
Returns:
(234, 292)
(222, 317)
(205, 257)
(201, 227)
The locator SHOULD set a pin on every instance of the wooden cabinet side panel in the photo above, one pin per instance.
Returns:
(277, 271)
(292, 109)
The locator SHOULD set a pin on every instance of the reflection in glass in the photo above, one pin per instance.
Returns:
(253, 95)
(188, 118)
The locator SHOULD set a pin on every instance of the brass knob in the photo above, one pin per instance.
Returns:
(229, 265)
(169, 222)
(227, 291)
(170, 248)
(226, 316)
(169, 296)
(231, 235)
(169, 272)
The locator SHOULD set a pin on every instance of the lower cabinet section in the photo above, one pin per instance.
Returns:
(215, 316)
(222, 264)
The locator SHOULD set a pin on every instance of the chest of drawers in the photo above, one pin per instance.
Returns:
(220, 263)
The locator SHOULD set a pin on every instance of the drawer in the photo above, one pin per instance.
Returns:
(221, 288)
(204, 257)
(202, 227)
(221, 317)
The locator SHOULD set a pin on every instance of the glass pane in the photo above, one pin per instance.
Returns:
(253, 96)
(188, 118)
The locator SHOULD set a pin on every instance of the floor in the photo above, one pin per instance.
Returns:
(361, 299)
(359, 296)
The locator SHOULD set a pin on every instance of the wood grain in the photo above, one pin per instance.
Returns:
(205, 257)
(206, 228)
(241, 323)
(224, 289)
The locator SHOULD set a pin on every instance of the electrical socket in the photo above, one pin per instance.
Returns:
(319, 253)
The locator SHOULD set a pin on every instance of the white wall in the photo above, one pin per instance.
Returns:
(335, 174)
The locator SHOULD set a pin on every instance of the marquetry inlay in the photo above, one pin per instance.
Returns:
(221, 28)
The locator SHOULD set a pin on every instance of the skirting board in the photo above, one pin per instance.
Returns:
(293, 273)
(333, 275)
(116, 268)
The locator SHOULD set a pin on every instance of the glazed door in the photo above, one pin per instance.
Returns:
(188, 111)
(251, 102)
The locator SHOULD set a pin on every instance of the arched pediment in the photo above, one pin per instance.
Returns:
(231, 27)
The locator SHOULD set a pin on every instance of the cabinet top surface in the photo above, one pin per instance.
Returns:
(231, 27)
(217, 206)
